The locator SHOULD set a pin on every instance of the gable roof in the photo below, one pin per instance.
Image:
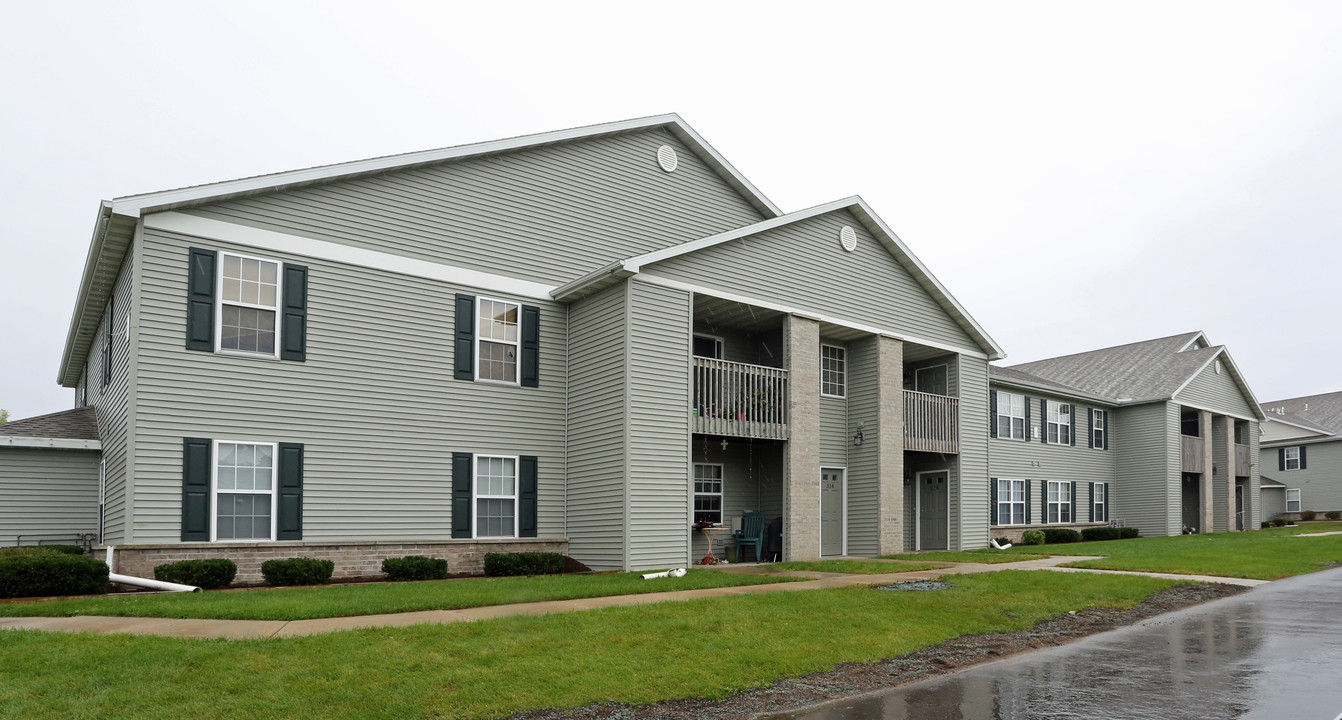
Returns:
(117, 218)
(621, 269)
(1020, 379)
(76, 428)
(1320, 413)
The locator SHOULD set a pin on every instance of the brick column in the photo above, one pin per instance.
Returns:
(1208, 514)
(890, 447)
(801, 475)
(1228, 462)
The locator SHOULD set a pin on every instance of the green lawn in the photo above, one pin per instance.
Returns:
(637, 654)
(857, 567)
(982, 555)
(376, 598)
(1261, 554)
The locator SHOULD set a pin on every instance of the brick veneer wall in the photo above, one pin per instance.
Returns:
(357, 560)
(1014, 532)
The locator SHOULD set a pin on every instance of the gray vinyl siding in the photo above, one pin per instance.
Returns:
(47, 492)
(1146, 494)
(910, 519)
(1221, 516)
(833, 432)
(1216, 392)
(863, 460)
(1320, 483)
(969, 491)
(1273, 503)
(1256, 479)
(659, 426)
(375, 405)
(802, 265)
(762, 348)
(596, 440)
(548, 214)
(921, 462)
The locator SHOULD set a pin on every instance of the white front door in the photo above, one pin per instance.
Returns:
(832, 511)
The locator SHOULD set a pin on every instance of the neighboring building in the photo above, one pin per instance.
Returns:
(1302, 447)
(1161, 435)
(49, 471)
(583, 341)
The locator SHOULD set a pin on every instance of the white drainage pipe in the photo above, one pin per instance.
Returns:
(144, 582)
(678, 572)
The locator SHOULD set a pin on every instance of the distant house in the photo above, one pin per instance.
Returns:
(1302, 449)
(1160, 434)
(50, 468)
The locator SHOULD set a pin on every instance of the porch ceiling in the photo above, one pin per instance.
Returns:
(731, 314)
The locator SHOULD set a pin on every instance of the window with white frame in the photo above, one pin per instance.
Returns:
(1293, 500)
(248, 304)
(1011, 415)
(1060, 423)
(1097, 428)
(497, 339)
(708, 493)
(244, 487)
(1099, 500)
(495, 496)
(1059, 502)
(1010, 502)
(1292, 458)
(833, 371)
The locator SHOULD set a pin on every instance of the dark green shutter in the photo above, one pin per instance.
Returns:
(1071, 431)
(196, 466)
(294, 325)
(992, 501)
(1090, 427)
(1043, 421)
(1091, 502)
(1027, 502)
(531, 346)
(1281, 459)
(461, 494)
(1073, 513)
(289, 513)
(1043, 501)
(1027, 417)
(1107, 429)
(992, 413)
(463, 349)
(200, 300)
(1302, 457)
(526, 496)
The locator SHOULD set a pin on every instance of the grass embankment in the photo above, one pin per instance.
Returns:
(984, 555)
(1261, 554)
(854, 567)
(638, 654)
(376, 598)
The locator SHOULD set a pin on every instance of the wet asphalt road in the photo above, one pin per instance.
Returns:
(1274, 652)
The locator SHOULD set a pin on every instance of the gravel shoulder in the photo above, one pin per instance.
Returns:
(851, 679)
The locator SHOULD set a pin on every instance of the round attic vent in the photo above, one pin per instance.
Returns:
(666, 157)
(848, 238)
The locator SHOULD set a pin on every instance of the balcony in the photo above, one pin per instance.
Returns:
(740, 400)
(1242, 464)
(1193, 460)
(931, 422)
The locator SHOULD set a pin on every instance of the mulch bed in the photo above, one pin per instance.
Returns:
(851, 679)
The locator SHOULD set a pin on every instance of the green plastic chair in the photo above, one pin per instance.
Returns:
(751, 534)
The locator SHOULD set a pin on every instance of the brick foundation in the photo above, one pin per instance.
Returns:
(353, 560)
(1014, 532)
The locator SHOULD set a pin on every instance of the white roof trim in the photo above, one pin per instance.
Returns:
(135, 205)
(1235, 375)
(1200, 336)
(49, 443)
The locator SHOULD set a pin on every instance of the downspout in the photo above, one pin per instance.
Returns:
(143, 582)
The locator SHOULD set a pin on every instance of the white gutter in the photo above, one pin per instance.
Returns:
(144, 582)
(51, 443)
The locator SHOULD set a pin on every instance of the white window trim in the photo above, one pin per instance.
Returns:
(722, 495)
(219, 306)
(1299, 501)
(997, 509)
(214, 489)
(719, 343)
(1056, 408)
(844, 385)
(1101, 505)
(1288, 459)
(1050, 504)
(1097, 416)
(476, 496)
(1011, 418)
(517, 355)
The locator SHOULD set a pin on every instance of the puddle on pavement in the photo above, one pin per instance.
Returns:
(917, 586)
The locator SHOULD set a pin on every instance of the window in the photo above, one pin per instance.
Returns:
(1293, 500)
(497, 339)
(1010, 415)
(248, 304)
(707, 346)
(931, 380)
(1293, 458)
(1060, 423)
(1010, 502)
(1059, 502)
(833, 371)
(1099, 499)
(1097, 429)
(495, 496)
(244, 488)
(707, 493)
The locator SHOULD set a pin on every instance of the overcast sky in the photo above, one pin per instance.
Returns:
(1079, 175)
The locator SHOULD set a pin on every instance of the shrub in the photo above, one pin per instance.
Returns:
(30, 550)
(1101, 533)
(1279, 521)
(1058, 536)
(1308, 515)
(297, 571)
(207, 574)
(1032, 537)
(1265, 524)
(51, 573)
(523, 563)
(414, 567)
(1127, 533)
(1333, 514)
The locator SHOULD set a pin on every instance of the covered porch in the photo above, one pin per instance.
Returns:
(732, 476)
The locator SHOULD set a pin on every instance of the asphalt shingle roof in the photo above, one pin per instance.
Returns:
(77, 424)
(1147, 370)
(1323, 412)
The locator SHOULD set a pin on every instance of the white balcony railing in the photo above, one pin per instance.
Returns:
(931, 422)
(738, 399)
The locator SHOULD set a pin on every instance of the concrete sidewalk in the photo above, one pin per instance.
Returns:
(254, 629)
